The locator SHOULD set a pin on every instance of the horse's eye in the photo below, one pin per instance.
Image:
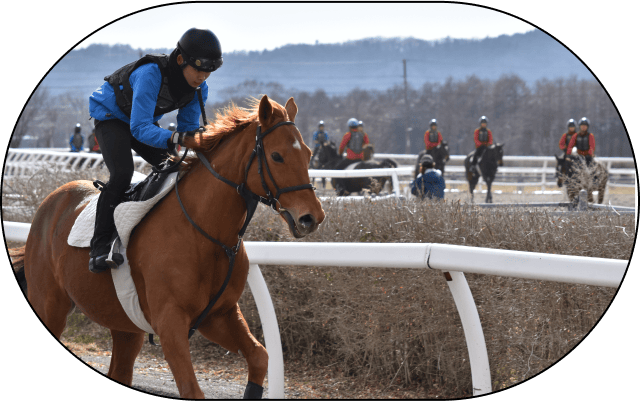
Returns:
(276, 157)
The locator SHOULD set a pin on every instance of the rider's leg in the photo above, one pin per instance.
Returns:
(113, 137)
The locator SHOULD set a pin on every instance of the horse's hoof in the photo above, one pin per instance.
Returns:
(253, 391)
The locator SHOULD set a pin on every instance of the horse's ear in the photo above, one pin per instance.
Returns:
(292, 109)
(265, 111)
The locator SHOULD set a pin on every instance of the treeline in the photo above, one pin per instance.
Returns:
(529, 119)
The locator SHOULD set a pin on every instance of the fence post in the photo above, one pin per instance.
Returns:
(582, 200)
(396, 184)
(271, 331)
(544, 174)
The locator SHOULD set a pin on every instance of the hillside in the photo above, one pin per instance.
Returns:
(373, 63)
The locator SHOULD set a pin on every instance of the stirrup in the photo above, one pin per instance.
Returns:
(115, 258)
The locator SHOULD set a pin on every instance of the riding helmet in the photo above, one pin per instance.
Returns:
(78, 128)
(584, 121)
(172, 127)
(483, 119)
(201, 49)
(426, 160)
(433, 122)
(360, 124)
(321, 123)
(352, 123)
(571, 123)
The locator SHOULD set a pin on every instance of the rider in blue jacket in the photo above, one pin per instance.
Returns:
(430, 183)
(127, 108)
(320, 136)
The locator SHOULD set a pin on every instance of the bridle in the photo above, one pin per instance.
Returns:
(251, 200)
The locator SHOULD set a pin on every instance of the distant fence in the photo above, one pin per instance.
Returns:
(454, 260)
(25, 162)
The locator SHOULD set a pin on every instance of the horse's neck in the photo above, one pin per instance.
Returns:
(213, 205)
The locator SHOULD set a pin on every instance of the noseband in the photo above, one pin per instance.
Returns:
(251, 200)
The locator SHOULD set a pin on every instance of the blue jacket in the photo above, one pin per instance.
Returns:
(315, 137)
(145, 82)
(430, 184)
(73, 146)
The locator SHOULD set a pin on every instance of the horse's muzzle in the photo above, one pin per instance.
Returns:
(299, 226)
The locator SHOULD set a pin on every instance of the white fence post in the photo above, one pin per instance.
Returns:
(271, 331)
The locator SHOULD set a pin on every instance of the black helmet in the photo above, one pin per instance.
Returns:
(200, 48)
(571, 123)
(584, 121)
(78, 128)
(433, 122)
(360, 124)
(321, 123)
(426, 161)
(172, 127)
(483, 119)
(352, 123)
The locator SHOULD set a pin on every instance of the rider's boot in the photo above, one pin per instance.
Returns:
(99, 257)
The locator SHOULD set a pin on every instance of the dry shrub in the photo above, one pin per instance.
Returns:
(400, 326)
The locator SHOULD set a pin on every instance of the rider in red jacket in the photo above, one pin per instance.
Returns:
(566, 137)
(584, 141)
(353, 141)
(432, 137)
(482, 137)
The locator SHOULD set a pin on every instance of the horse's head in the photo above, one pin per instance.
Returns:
(285, 157)
(499, 153)
(368, 151)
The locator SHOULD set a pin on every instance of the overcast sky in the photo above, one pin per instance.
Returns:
(268, 25)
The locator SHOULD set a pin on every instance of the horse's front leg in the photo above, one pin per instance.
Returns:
(173, 328)
(230, 330)
(489, 195)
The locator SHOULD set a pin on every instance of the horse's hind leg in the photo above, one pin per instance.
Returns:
(50, 302)
(231, 332)
(126, 347)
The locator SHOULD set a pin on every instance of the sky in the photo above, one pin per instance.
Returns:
(267, 26)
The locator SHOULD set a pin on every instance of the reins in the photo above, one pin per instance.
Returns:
(251, 200)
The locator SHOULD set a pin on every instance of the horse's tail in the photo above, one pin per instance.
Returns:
(17, 260)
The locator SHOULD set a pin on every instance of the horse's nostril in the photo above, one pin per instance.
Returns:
(307, 221)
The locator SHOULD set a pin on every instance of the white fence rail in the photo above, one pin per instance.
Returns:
(22, 162)
(452, 259)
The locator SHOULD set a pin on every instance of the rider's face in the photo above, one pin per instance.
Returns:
(584, 127)
(572, 129)
(194, 77)
(483, 125)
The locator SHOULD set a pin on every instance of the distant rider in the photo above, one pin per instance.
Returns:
(430, 183)
(584, 141)
(320, 136)
(77, 139)
(432, 137)
(566, 137)
(354, 141)
(483, 138)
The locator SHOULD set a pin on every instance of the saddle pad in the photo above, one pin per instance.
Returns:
(128, 296)
(127, 215)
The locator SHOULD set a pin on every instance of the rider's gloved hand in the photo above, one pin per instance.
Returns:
(184, 138)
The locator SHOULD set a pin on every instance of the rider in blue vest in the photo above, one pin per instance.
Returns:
(127, 108)
(77, 139)
(430, 183)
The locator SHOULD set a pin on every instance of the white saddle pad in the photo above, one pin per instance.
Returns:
(127, 215)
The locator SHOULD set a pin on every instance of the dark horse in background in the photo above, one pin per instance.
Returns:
(488, 163)
(440, 156)
(327, 158)
(573, 172)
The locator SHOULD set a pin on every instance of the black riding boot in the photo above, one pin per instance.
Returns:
(103, 233)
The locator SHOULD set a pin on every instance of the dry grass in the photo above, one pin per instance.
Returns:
(400, 328)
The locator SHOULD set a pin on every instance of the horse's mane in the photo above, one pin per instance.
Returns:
(228, 121)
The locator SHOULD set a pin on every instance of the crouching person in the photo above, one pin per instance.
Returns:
(430, 183)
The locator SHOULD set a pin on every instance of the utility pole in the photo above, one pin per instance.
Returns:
(407, 148)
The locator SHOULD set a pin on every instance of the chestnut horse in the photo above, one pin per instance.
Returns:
(177, 271)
